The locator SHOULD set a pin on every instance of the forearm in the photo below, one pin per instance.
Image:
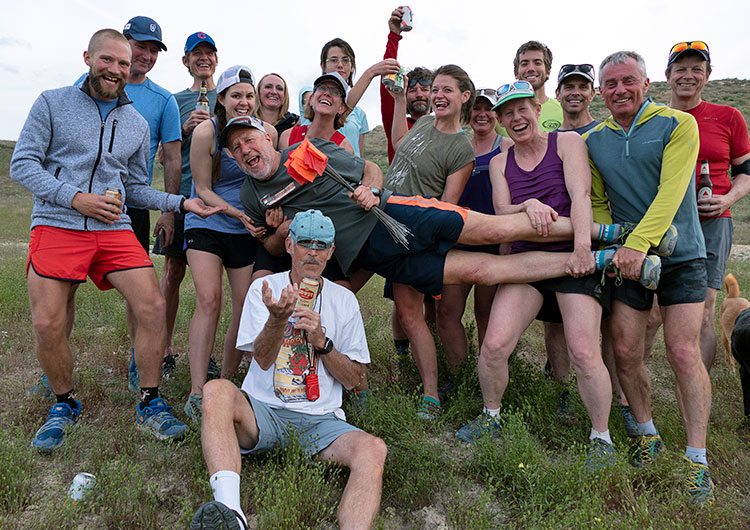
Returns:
(172, 167)
(268, 342)
(740, 188)
(274, 244)
(400, 126)
(372, 176)
(581, 215)
(349, 373)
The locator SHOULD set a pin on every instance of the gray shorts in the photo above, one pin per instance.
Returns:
(718, 235)
(276, 427)
(682, 283)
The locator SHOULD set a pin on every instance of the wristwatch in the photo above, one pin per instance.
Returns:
(376, 191)
(327, 347)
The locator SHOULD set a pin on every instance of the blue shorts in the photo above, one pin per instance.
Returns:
(718, 235)
(277, 426)
(681, 283)
(435, 227)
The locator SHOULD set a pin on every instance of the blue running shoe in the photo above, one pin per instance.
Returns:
(213, 371)
(631, 424)
(600, 454)
(134, 383)
(482, 425)
(157, 419)
(43, 389)
(50, 435)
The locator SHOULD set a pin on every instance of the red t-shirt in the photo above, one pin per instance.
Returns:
(723, 137)
(299, 132)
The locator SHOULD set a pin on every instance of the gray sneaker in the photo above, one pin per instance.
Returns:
(194, 409)
(213, 372)
(42, 388)
(216, 516)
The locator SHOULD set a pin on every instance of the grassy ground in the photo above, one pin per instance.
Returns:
(531, 478)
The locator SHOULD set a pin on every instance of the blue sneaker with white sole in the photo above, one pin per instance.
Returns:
(157, 419)
(59, 418)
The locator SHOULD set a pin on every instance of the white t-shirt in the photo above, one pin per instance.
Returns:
(282, 385)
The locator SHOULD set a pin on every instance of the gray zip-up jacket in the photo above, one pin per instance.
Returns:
(66, 147)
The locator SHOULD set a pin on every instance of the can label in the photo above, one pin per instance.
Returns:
(308, 290)
(82, 483)
(113, 193)
(407, 22)
(395, 82)
(705, 193)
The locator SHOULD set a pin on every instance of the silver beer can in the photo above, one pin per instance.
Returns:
(82, 483)
(407, 22)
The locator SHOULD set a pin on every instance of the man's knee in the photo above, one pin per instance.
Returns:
(683, 358)
(216, 393)
(371, 451)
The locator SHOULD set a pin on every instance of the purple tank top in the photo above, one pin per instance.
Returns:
(545, 183)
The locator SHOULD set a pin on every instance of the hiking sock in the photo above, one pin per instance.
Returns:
(648, 429)
(226, 487)
(604, 435)
(67, 398)
(147, 394)
(696, 455)
(494, 413)
(609, 233)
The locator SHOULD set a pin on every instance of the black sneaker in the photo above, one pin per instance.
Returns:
(168, 366)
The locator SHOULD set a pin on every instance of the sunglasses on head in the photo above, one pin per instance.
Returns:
(423, 82)
(689, 45)
(582, 68)
(518, 85)
(487, 92)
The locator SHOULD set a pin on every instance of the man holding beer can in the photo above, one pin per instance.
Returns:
(293, 333)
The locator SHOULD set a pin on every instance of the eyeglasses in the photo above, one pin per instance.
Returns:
(328, 88)
(336, 60)
(512, 87)
(314, 244)
(689, 45)
(580, 68)
(422, 82)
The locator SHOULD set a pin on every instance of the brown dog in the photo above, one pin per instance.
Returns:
(732, 306)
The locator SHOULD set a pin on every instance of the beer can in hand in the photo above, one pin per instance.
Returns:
(113, 193)
(82, 483)
(308, 290)
(395, 82)
(407, 23)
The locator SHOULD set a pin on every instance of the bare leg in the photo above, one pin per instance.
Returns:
(207, 275)
(71, 309)
(49, 301)
(450, 310)
(483, 296)
(557, 351)
(239, 282)
(628, 334)
(654, 323)
(582, 316)
(608, 355)
(140, 288)
(489, 269)
(482, 229)
(708, 329)
(171, 278)
(513, 309)
(681, 332)
(409, 305)
(364, 455)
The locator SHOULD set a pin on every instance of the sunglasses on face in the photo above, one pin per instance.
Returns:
(423, 82)
(508, 87)
(689, 45)
(327, 88)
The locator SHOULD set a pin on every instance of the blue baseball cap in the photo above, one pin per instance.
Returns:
(144, 29)
(196, 38)
(312, 229)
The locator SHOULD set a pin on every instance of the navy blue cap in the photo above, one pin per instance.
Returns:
(144, 29)
(196, 38)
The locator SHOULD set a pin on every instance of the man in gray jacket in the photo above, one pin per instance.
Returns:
(83, 152)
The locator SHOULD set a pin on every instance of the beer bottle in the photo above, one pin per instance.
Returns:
(203, 103)
(705, 186)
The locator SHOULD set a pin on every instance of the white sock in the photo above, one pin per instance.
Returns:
(226, 488)
(494, 413)
(604, 435)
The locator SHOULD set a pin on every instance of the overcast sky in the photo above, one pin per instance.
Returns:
(42, 41)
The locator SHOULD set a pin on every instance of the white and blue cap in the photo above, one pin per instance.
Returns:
(234, 74)
(336, 78)
(144, 29)
(312, 229)
(237, 122)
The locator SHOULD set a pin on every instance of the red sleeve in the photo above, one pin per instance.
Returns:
(337, 138)
(386, 101)
(740, 142)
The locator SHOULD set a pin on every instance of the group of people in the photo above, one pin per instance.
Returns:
(537, 209)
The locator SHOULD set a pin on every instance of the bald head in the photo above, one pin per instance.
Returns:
(103, 35)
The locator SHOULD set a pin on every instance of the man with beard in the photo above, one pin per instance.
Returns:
(417, 91)
(83, 152)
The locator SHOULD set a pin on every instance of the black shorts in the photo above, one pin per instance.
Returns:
(590, 285)
(682, 283)
(265, 261)
(140, 222)
(435, 226)
(235, 250)
(176, 249)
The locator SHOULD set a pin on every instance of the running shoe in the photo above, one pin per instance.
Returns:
(600, 454)
(429, 409)
(631, 424)
(650, 270)
(134, 383)
(445, 391)
(699, 485)
(213, 372)
(42, 388)
(168, 366)
(547, 370)
(59, 418)
(217, 516)
(157, 419)
(666, 245)
(645, 449)
(566, 413)
(361, 400)
(481, 426)
(194, 409)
